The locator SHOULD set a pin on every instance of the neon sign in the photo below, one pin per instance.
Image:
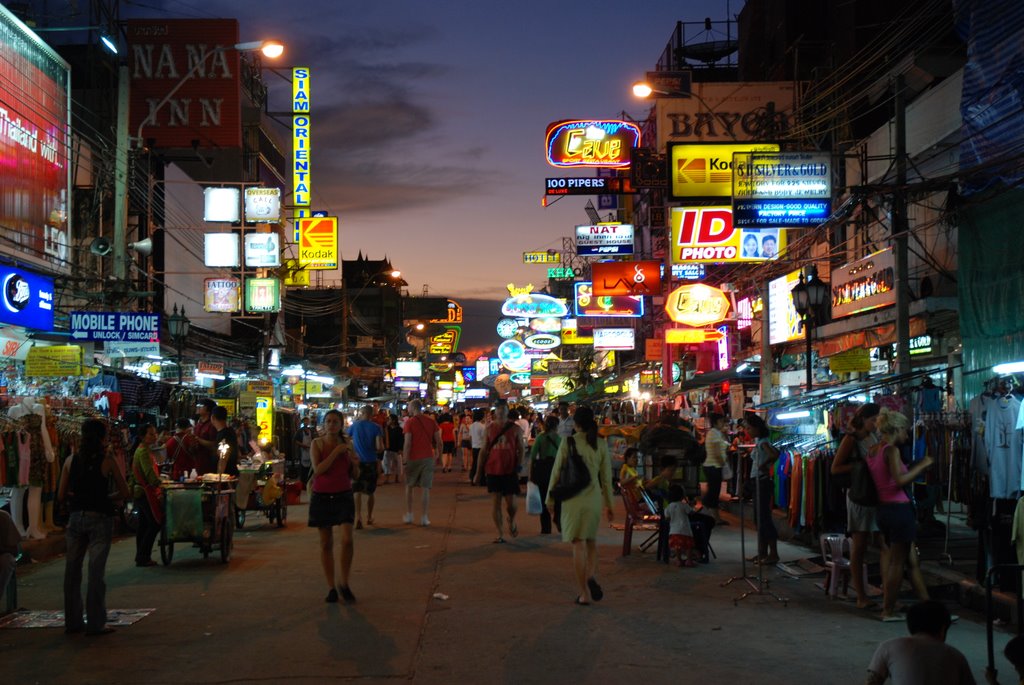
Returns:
(697, 305)
(534, 305)
(301, 178)
(543, 341)
(707, 234)
(513, 357)
(588, 304)
(585, 143)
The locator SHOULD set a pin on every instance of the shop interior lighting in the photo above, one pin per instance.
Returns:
(293, 371)
(326, 380)
(1012, 367)
(109, 43)
(742, 367)
(800, 414)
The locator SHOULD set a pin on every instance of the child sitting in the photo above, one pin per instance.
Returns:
(680, 535)
(628, 476)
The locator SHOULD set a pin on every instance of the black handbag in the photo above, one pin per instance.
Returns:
(573, 477)
(862, 485)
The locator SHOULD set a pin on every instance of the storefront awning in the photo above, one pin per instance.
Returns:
(751, 374)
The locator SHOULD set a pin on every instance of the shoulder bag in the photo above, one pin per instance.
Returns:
(573, 477)
(862, 484)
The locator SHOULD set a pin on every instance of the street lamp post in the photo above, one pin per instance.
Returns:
(177, 326)
(808, 296)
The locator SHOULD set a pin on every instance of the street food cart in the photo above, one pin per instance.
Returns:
(200, 513)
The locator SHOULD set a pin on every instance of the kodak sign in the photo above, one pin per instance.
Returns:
(705, 170)
(707, 235)
(318, 243)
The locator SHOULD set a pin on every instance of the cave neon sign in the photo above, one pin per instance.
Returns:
(586, 143)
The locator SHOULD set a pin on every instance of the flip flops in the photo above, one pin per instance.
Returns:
(579, 601)
(595, 590)
(513, 529)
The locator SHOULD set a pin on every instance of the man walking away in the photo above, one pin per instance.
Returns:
(421, 448)
(368, 440)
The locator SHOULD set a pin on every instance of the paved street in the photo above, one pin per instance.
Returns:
(509, 615)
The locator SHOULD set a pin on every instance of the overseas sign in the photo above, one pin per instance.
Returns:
(117, 326)
(604, 239)
(591, 143)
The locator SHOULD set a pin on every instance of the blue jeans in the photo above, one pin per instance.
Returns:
(766, 531)
(90, 532)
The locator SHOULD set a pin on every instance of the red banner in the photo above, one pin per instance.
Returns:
(206, 110)
(626, 278)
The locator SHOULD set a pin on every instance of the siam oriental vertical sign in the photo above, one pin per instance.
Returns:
(589, 143)
(301, 177)
(205, 112)
(34, 131)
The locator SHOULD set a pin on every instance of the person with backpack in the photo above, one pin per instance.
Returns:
(500, 459)
(542, 458)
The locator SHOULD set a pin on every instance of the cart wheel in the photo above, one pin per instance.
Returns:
(240, 518)
(226, 541)
(166, 549)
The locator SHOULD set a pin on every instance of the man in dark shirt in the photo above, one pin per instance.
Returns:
(206, 436)
(226, 442)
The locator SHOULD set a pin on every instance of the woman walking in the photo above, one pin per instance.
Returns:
(716, 448)
(145, 494)
(542, 458)
(581, 514)
(331, 503)
(84, 486)
(896, 517)
(466, 440)
(763, 457)
(861, 519)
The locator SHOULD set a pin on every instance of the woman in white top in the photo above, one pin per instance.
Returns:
(716, 448)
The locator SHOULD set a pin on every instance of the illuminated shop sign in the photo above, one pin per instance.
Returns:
(781, 189)
(468, 374)
(559, 273)
(546, 325)
(221, 205)
(783, 321)
(495, 366)
(745, 312)
(447, 342)
(542, 341)
(549, 257)
(706, 234)
(408, 369)
(614, 339)
(920, 344)
(533, 305)
(220, 249)
(507, 328)
(688, 272)
(601, 185)
(483, 368)
(591, 143)
(520, 377)
(705, 170)
(626, 278)
(302, 178)
(512, 355)
(262, 295)
(604, 239)
(222, 295)
(34, 146)
(572, 335)
(697, 305)
(263, 205)
(690, 336)
(723, 348)
(588, 304)
(452, 315)
(262, 250)
(318, 243)
(27, 299)
(864, 285)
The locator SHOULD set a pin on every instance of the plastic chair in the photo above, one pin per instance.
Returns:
(637, 515)
(835, 550)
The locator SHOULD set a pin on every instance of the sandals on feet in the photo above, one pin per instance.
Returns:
(582, 602)
(513, 529)
(595, 590)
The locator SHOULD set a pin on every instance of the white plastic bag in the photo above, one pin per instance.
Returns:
(727, 473)
(533, 504)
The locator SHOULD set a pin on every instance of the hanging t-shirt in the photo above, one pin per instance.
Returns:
(979, 454)
(1003, 441)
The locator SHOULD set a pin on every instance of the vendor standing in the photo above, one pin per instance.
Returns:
(206, 435)
(226, 441)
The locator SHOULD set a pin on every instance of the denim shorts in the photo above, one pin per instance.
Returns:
(898, 522)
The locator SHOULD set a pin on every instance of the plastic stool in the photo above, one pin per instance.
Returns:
(835, 550)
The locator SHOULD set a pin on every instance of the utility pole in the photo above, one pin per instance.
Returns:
(900, 234)
(766, 347)
(119, 243)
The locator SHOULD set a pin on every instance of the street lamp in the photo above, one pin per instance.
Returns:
(808, 296)
(177, 326)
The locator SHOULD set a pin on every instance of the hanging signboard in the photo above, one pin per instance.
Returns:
(222, 295)
(707, 234)
(614, 339)
(512, 355)
(589, 143)
(262, 250)
(262, 295)
(697, 304)
(318, 243)
(454, 314)
(27, 299)
(865, 284)
(626, 278)
(745, 110)
(850, 361)
(447, 342)
(604, 239)
(588, 304)
(265, 417)
(221, 250)
(127, 326)
(704, 170)
(533, 305)
(690, 336)
(783, 321)
(221, 205)
(263, 205)
(601, 185)
(571, 334)
(548, 257)
(54, 361)
(781, 189)
(654, 349)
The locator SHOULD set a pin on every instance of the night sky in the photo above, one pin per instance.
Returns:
(429, 121)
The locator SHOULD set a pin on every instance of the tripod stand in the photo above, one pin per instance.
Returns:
(758, 584)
